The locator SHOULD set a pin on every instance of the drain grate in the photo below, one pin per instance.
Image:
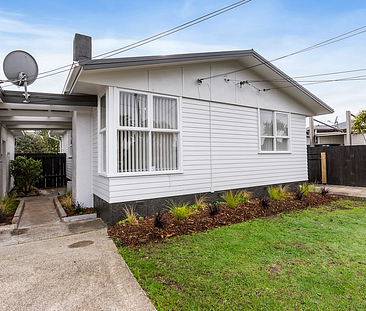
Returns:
(81, 244)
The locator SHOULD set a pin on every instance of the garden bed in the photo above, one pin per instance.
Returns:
(12, 219)
(72, 213)
(144, 231)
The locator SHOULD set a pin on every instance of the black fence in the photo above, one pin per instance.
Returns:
(54, 168)
(345, 165)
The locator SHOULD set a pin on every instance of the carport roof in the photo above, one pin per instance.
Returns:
(45, 111)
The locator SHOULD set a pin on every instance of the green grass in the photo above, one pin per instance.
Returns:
(309, 260)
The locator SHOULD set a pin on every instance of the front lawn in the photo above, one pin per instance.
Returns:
(305, 260)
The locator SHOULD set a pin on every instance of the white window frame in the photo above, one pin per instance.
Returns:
(150, 129)
(101, 131)
(274, 137)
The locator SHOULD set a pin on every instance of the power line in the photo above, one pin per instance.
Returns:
(150, 39)
(315, 46)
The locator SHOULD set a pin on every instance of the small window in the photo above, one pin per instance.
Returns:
(274, 131)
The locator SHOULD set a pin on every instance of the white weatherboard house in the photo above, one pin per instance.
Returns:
(175, 126)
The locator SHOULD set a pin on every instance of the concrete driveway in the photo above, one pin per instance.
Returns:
(66, 269)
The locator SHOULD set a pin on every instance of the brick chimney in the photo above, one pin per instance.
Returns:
(82, 47)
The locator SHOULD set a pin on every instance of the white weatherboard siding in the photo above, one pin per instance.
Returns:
(159, 80)
(100, 183)
(231, 149)
(65, 149)
(7, 143)
(220, 136)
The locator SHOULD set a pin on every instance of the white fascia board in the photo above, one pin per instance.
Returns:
(72, 78)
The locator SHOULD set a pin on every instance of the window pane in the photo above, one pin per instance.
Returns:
(133, 109)
(165, 113)
(164, 151)
(282, 144)
(266, 123)
(282, 124)
(133, 149)
(103, 115)
(266, 144)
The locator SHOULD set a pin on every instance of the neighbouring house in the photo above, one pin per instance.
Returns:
(175, 126)
(334, 135)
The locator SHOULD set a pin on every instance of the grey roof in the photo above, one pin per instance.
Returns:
(160, 59)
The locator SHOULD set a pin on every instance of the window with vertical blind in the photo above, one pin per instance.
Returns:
(148, 133)
(274, 131)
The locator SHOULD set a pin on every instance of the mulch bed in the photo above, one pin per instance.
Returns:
(8, 219)
(144, 232)
(82, 211)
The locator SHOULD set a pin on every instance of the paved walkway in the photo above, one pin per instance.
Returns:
(49, 265)
(346, 190)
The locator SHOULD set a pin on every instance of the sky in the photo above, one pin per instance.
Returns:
(273, 28)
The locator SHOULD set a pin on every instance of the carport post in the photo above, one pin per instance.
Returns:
(82, 157)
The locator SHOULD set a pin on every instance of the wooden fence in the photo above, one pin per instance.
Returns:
(54, 168)
(342, 165)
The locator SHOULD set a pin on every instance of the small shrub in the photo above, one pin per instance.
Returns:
(67, 200)
(232, 199)
(26, 173)
(264, 202)
(200, 202)
(312, 188)
(78, 207)
(214, 209)
(7, 205)
(277, 193)
(324, 191)
(180, 211)
(131, 216)
(245, 196)
(159, 221)
(299, 195)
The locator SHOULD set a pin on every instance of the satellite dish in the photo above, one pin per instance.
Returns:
(21, 69)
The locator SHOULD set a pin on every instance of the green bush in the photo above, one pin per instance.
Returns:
(26, 173)
(232, 199)
(278, 193)
(180, 211)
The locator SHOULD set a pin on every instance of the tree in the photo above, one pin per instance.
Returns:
(37, 142)
(26, 173)
(359, 124)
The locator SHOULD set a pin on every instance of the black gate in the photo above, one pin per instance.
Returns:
(54, 168)
(345, 165)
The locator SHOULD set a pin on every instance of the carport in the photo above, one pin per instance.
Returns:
(47, 111)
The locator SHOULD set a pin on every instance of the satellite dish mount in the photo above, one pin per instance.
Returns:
(21, 69)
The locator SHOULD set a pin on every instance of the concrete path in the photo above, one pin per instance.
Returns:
(49, 265)
(346, 190)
